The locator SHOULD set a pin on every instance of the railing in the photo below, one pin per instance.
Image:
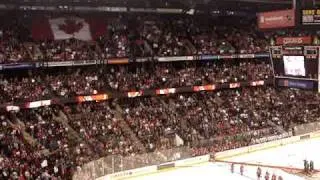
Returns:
(306, 128)
(115, 163)
(126, 60)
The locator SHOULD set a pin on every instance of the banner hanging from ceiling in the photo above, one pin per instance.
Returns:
(276, 19)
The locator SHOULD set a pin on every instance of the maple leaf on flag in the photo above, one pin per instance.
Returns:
(70, 26)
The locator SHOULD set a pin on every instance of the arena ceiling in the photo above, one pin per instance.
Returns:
(248, 5)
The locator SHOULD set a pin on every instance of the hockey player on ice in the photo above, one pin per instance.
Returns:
(259, 172)
(267, 176)
(241, 169)
(232, 168)
(311, 166)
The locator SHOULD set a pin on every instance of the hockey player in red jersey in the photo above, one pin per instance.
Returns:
(241, 169)
(274, 177)
(259, 172)
(232, 168)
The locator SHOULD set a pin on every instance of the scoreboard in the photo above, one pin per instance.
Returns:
(310, 17)
(302, 58)
(296, 66)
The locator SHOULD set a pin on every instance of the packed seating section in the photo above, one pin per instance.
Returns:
(53, 142)
(69, 82)
(228, 118)
(137, 36)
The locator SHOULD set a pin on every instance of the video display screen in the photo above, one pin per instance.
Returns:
(294, 66)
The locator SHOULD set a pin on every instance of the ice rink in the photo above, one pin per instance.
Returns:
(211, 171)
(291, 155)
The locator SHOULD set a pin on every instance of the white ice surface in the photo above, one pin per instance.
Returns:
(291, 155)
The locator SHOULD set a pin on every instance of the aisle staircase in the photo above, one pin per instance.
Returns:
(190, 47)
(128, 131)
(98, 49)
(277, 127)
(16, 123)
(148, 49)
(172, 105)
(63, 119)
(33, 51)
(73, 135)
(184, 124)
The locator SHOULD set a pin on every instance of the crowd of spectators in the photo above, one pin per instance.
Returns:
(13, 34)
(166, 75)
(15, 152)
(40, 124)
(207, 122)
(52, 154)
(97, 123)
(64, 82)
(198, 116)
(115, 43)
(134, 36)
(67, 136)
(140, 36)
(27, 88)
(70, 49)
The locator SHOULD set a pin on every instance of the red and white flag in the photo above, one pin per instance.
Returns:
(67, 28)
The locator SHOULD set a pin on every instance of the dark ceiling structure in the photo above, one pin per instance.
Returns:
(245, 5)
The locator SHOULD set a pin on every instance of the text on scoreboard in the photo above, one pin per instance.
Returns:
(311, 17)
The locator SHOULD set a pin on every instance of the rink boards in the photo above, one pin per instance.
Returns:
(265, 146)
(203, 159)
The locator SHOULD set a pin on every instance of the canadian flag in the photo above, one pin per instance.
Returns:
(67, 28)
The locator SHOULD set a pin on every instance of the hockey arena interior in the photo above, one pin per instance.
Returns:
(159, 89)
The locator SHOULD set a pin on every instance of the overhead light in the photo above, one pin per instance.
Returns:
(190, 12)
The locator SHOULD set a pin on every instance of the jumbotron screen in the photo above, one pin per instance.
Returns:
(294, 66)
(295, 61)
